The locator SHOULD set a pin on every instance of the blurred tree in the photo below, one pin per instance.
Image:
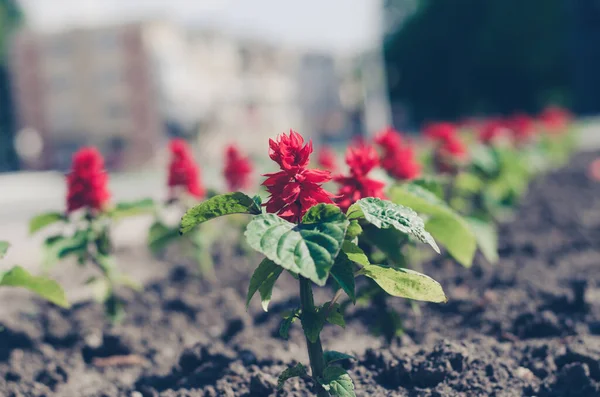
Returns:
(453, 58)
(10, 17)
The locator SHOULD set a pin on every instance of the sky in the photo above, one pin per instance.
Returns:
(340, 25)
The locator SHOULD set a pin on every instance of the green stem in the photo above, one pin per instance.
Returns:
(315, 349)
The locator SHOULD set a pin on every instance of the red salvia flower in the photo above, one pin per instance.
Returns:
(522, 127)
(183, 171)
(87, 183)
(555, 120)
(398, 159)
(327, 159)
(491, 130)
(238, 169)
(439, 131)
(361, 159)
(449, 155)
(295, 188)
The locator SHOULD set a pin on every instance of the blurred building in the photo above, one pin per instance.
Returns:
(85, 87)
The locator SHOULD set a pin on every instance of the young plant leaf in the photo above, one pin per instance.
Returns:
(132, 208)
(343, 273)
(224, 204)
(4, 245)
(332, 356)
(334, 316)
(297, 370)
(41, 221)
(288, 320)
(405, 283)
(354, 230)
(312, 324)
(263, 279)
(59, 247)
(44, 287)
(385, 214)
(337, 382)
(308, 249)
(487, 238)
(389, 241)
(444, 224)
(354, 253)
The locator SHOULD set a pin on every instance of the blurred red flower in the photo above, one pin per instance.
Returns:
(398, 159)
(361, 158)
(295, 188)
(87, 183)
(327, 159)
(522, 127)
(449, 155)
(439, 131)
(238, 169)
(183, 171)
(491, 130)
(555, 119)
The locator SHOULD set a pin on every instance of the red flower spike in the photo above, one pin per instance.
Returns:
(327, 159)
(449, 155)
(294, 189)
(238, 169)
(361, 159)
(492, 130)
(183, 171)
(398, 159)
(522, 127)
(555, 120)
(87, 183)
(440, 131)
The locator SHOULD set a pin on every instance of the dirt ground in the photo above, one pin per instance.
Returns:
(528, 326)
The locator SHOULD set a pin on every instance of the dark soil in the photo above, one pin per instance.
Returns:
(528, 326)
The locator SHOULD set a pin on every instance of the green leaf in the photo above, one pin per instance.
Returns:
(385, 214)
(433, 185)
(405, 283)
(332, 356)
(389, 241)
(334, 315)
(297, 370)
(132, 208)
(41, 221)
(337, 382)
(308, 249)
(160, 235)
(312, 324)
(44, 287)
(263, 279)
(343, 273)
(288, 320)
(224, 204)
(59, 247)
(3, 248)
(487, 238)
(354, 253)
(354, 230)
(444, 224)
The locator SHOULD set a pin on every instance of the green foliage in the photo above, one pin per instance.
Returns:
(405, 283)
(42, 286)
(297, 370)
(288, 320)
(263, 279)
(332, 356)
(133, 208)
(337, 382)
(384, 214)
(343, 273)
(487, 238)
(160, 236)
(4, 245)
(224, 204)
(354, 253)
(59, 247)
(444, 224)
(308, 249)
(41, 221)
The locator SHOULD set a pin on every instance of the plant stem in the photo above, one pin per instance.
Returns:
(315, 350)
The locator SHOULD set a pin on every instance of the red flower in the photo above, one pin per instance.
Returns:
(492, 130)
(295, 188)
(327, 159)
(449, 155)
(522, 127)
(87, 182)
(440, 131)
(361, 159)
(397, 159)
(183, 171)
(555, 119)
(237, 169)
